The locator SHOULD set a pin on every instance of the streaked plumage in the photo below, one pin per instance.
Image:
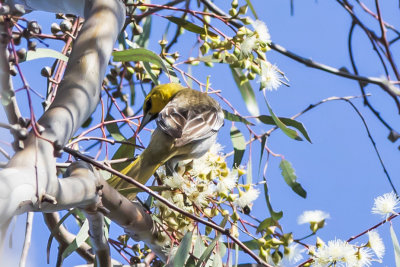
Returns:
(187, 125)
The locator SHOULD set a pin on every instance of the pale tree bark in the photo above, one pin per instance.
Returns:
(29, 182)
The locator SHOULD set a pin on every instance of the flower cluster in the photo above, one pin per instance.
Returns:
(340, 253)
(200, 186)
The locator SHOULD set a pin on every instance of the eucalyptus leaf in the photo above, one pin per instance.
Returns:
(183, 250)
(246, 91)
(113, 129)
(239, 146)
(43, 53)
(289, 132)
(233, 117)
(190, 26)
(143, 38)
(80, 238)
(288, 122)
(124, 151)
(139, 54)
(290, 178)
(396, 246)
(275, 215)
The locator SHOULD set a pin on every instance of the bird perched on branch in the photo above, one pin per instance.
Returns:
(187, 125)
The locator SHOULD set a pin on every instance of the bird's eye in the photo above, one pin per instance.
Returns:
(148, 105)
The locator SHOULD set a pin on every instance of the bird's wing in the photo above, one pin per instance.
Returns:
(191, 116)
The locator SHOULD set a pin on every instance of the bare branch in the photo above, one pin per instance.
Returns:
(27, 242)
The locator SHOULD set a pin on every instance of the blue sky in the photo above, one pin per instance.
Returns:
(339, 170)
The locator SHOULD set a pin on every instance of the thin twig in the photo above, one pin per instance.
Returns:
(28, 236)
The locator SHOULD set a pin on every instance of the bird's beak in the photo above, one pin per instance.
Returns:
(146, 119)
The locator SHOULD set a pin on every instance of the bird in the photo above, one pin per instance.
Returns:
(187, 125)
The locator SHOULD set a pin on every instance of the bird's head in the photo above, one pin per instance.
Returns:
(157, 99)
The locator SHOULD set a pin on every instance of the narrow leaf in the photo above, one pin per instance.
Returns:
(246, 91)
(396, 246)
(149, 71)
(54, 231)
(183, 250)
(143, 39)
(233, 117)
(249, 171)
(275, 215)
(263, 141)
(124, 151)
(288, 122)
(289, 132)
(239, 146)
(207, 253)
(198, 247)
(81, 237)
(190, 26)
(113, 129)
(251, 244)
(252, 8)
(290, 178)
(45, 52)
(139, 54)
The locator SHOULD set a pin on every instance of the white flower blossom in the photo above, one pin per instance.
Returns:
(312, 216)
(269, 77)
(208, 162)
(227, 183)
(364, 257)
(336, 251)
(174, 181)
(386, 205)
(262, 31)
(376, 244)
(247, 197)
(247, 46)
(293, 254)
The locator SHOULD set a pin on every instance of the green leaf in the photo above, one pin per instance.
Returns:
(233, 117)
(266, 223)
(239, 146)
(290, 178)
(113, 129)
(289, 132)
(275, 215)
(217, 262)
(124, 151)
(143, 39)
(251, 244)
(246, 91)
(198, 247)
(252, 8)
(183, 250)
(207, 253)
(148, 69)
(287, 121)
(396, 246)
(80, 238)
(263, 141)
(249, 172)
(191, 262)
(190, 26)
(139, 54)
(171, 73)
(54, 231)
(43, 53)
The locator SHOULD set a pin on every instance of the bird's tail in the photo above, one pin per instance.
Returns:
(140, 170)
